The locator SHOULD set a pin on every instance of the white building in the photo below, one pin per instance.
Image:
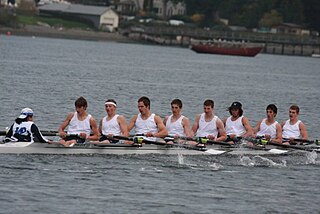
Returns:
(102, 17)
(169, 9)
(161, 8)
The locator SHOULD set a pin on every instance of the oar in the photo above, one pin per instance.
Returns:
(298, 147)
(202, 140)
(139, 139)
(305, 141)
(305, 148)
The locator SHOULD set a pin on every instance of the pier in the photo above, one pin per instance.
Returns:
(273, 43)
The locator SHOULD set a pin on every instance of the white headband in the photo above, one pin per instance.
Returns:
(111, 103)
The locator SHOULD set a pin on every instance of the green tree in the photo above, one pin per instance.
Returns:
(292, 11)
(271, 18)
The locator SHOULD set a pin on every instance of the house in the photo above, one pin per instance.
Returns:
(127, 7)
(169, 9)
(290, 28)
(160, 8)
(103, 18)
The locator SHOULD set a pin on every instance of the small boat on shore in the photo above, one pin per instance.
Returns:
(315, 55)
(228, 48)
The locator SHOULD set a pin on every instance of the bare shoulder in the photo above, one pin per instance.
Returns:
(121, 117)
(157, 118)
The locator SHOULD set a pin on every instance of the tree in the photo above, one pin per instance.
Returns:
(270, 19)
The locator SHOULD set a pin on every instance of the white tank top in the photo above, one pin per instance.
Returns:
(76, 126)
(111, 126)
(175, 128)
(144, 126)
(207, 128)
(235, 127)
(23, 129)
(291, 130)
(267, 129)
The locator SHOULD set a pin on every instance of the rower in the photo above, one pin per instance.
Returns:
(113, 124)
(177, 124)
(24, 129)
(80, 125)
(268, 128)
(146, 123)
(208, 125)
(237, 126)
(293, 128)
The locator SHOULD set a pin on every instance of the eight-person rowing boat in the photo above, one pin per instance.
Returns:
(209, 134)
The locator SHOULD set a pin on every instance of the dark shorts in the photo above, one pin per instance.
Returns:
(77, 138)
(235, 140)
(103, 137)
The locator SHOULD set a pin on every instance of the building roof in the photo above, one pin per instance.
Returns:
(75, 8)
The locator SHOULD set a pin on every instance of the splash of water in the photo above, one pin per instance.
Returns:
(180, 159)
(312, 158)
(260, 161)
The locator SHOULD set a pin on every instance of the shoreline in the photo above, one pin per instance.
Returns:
(90, 35)
(78, 34)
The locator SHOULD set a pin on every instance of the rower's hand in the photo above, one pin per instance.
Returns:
(62, 134)
(149, 134)
(50, 142)
(211, 137)
(267, 136)
(291, 140)
(83, 135)
(233, 136)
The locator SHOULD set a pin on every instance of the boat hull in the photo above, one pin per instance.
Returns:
(41, 148)
(235, 51)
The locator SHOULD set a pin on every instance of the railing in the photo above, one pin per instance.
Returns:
(227, 35)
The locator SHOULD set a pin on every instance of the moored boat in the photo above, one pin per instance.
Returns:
(315, 55)
(228, 48)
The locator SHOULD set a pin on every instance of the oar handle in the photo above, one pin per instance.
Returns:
(202, 140)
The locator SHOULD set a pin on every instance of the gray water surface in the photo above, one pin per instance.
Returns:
(47, 75)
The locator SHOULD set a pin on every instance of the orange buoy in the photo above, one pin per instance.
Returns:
(8, 33)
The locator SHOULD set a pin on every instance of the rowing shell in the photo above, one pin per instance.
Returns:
(122, 149)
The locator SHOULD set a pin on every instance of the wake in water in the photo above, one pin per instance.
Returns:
(260, 161)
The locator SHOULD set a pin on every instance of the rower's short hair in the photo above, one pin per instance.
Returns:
(145, 100)
(296, 108)
(272, 107)
(177, 102)
(209, 103)
(81, 101)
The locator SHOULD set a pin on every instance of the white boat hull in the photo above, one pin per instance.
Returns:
(41, 148)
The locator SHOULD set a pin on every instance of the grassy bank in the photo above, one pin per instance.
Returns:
(34, 20)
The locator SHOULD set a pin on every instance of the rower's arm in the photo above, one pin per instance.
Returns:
(65, 124)
(162, 130)
(10, 132)
(100, 126)
(303, 131)
(222, 132)
(196, 124)
(123, 125)
(247, 126)
(278, 138)
(257, 128)
(36, 133)
(95, 132)
(132, 123)
(186, 127)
